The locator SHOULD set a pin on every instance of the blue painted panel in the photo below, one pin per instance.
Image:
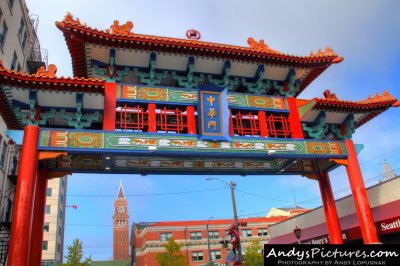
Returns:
(213, 113)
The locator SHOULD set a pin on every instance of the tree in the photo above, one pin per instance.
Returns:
(253, 256)
(75, 254)
(173, 256)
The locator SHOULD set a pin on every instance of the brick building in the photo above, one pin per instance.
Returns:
(147, 239)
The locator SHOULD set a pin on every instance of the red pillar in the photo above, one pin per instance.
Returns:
(191, 121)
(35, 252)
(110, 105)
(231, 128)
(152, 117)
(294, 119)
(364, 214)
(22, 214)
(262, 123)
(332, 220)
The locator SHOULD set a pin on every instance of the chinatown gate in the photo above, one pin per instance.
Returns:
(141, 104)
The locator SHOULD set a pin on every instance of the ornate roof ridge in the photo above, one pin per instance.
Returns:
(124, 31)
(47, 74)
(331, 98)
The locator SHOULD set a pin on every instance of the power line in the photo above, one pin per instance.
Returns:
(342, 171)
(313, 199)
(149, 194)
(260, 196)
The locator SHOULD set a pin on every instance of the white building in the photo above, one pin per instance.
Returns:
(19, 45)
(54, 222)
(20, 51)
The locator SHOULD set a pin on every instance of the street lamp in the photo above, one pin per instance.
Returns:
(208, 243)
(232, 186)
(297, 234)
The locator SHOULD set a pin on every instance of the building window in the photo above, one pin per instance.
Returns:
(246, 233)
(48, 192)
(47, 209)
(262, 232)
(227, 233)
(9, 205)
(14, 61)
(165, 236)
(23, 43)
(21, 29)
(197, 256)
(61, 197)
(48, 263)
(3, 33)
(213, 235)
(215, 255)
(46, 227)
(18, 67)
(59, 230)
(3, 154)
(60, 214)
(58, 247)
(44, 245)
(10, 3)
(195, 235)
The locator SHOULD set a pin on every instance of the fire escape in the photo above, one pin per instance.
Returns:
(37, 57)
(5, 221)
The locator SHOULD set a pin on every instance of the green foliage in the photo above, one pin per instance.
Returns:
(253, 256)
(75, 254)
(173, 255)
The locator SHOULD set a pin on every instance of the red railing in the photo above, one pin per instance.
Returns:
(132, 118)
(181, 120)
(278, 126)
(171, 120)
(246, 124)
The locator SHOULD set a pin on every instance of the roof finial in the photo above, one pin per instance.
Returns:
(121, 194)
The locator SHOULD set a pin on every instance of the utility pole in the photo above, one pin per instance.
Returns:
(232, 186)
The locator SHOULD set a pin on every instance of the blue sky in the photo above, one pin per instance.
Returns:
(364, 32)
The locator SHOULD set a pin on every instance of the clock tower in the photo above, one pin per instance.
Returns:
(121, 227)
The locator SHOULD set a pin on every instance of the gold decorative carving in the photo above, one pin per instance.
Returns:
(124, 29)
(259, 46)
(211, 100)
(69, 18)
(329, 95)
(327, 52)
(386, 96)
(211, 113)
(212, 124)
(49, 73)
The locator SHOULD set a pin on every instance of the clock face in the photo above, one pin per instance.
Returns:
(121, 209)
